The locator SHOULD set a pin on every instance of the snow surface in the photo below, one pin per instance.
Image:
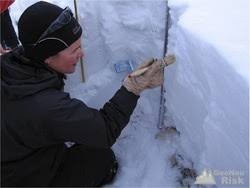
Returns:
(206, 89)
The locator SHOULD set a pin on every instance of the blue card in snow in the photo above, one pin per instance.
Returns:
(124, 66)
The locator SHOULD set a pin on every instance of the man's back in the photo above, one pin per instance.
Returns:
(25, 150)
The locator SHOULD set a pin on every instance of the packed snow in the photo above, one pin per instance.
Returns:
(206, 89)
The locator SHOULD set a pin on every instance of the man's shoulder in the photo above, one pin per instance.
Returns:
(50, 96)
(49, 100)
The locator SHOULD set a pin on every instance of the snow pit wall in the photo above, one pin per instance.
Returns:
(208, 100)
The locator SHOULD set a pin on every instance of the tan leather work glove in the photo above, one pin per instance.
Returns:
(153, 77)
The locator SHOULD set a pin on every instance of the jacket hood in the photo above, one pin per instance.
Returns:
(21, 77)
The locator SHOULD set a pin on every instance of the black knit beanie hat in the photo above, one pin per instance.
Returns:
(35, 20)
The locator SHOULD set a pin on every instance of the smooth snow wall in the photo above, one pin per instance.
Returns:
(209, 98)
(208, 101)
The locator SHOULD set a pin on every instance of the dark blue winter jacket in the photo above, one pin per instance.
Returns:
(37, 117)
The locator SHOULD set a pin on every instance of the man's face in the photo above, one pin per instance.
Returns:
(66, 60)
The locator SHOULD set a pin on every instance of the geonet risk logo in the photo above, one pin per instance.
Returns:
(223, 177)
(206, 178)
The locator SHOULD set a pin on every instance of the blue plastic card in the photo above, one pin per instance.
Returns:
(124, 66)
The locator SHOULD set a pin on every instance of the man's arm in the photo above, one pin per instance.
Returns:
(71, 120)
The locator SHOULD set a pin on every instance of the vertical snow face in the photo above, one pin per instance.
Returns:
(206, 95)
(126, 30)
(223, 24)
(115, 31)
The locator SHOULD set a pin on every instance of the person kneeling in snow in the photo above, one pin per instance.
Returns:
(37, 117)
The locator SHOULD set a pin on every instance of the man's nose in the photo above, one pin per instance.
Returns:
(81, 53)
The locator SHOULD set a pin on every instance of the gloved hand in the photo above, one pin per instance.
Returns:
(153, 77)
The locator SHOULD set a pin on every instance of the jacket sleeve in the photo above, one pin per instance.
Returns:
(71, 120)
